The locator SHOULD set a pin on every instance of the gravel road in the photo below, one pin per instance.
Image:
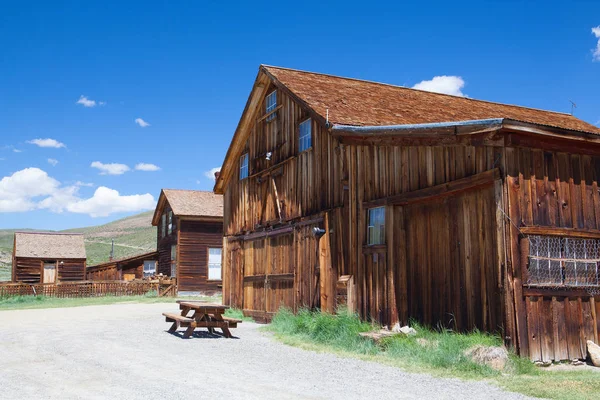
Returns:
(124, 352)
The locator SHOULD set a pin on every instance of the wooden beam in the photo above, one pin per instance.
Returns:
(452, 188)
(553, 231)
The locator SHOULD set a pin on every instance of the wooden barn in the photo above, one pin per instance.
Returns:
(448, 210)
(190, 239)
(40, 257)
(124, 269)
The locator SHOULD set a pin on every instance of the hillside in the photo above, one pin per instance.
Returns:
(132, 235)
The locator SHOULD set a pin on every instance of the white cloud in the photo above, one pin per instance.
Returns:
(210, 174)
(52, 161)
(146, 167)
(17, 150)
(86, 184)
(32, 188)
(106, 201)
(596, 51)
(47, 143)
(110, 169)
(443, 84)
(84, 101)
(141, 122)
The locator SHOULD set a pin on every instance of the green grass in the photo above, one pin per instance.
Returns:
(30, 302)
(440, 353)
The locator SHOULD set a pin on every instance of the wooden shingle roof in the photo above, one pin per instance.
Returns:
(364, 103)
(190, 203)
(49, 245)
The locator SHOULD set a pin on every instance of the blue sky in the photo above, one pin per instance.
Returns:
(186, 68)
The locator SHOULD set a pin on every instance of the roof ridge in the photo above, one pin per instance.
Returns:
(192, 190)
(417, 90)
(50, 233)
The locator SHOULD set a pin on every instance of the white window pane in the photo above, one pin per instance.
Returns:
(214, 271)
(214, 256)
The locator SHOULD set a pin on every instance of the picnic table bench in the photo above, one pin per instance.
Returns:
(204, 315)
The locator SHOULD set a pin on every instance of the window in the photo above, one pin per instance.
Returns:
(173, 261)
(214, 264)
(170, 222)
(270, 105)
(305, 136)
(376, 233)
(149, 268)
(163, 225)
(244, 166)
(563, 261)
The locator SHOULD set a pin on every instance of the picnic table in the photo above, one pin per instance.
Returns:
(204, 315)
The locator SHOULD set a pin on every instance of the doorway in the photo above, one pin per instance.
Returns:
(49, 272)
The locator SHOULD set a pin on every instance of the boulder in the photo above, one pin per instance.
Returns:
(594, 352)
(494, 357)
(406, 330)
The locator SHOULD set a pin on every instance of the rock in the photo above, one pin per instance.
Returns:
(494, 357)
(396, 327)
(594, 352)
(406, 330)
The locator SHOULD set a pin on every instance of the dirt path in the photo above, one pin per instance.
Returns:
(123, 352)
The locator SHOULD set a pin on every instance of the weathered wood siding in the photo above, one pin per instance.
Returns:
(106, 273)
(306, 182)
(29, 270)
(163, 244)
(553, 190)
(195, 238)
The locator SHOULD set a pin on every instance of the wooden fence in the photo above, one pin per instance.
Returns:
(81, 289)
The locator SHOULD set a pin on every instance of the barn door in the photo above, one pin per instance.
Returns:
(49, 272)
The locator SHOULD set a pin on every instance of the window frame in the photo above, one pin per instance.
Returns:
(244, 165)
(370, 226)
(270, 106)
(151, 272)
(173, 261)
(163, 225)
(170, 222)
(307, 121)
(208, 264)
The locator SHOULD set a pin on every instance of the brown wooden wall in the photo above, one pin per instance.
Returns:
(106, 273)
(195, 237)
(163, 245)
(306, 182)
(550, 189)
(29, 270)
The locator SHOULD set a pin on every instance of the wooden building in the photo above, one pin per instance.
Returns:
(190, 238)
(448, 210)
(124, 269)
(40, 257)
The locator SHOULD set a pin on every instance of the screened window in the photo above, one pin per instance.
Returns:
(270, 105)
(170, 222)
(305, 135)
(563, 261)
(163, 225)
(149, 268)
(244, 166)
(214, 264)
(173, 261)
(376, 233)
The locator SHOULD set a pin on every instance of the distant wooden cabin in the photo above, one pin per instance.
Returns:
(125, 269)
(451, 211)
(190, 238)
(48, 257)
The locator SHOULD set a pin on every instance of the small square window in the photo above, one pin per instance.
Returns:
(270, 105)
(376, 229)
(305, 135)
(244, 166)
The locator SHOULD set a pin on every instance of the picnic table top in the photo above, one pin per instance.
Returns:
(198, 305)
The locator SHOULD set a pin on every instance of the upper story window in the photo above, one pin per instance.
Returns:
(270, 105)
(163, 225)
(244, 166)
(376, 228)
(170, 222)
(305, 135)
(559, 261)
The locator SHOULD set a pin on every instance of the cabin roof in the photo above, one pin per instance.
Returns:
(49, 245)
(153, 255)
(189, 203)
(360, 103)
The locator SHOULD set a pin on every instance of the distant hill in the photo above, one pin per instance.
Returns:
(132, 235)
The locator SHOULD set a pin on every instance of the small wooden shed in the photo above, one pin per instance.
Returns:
(447, 210)
(190, 238)
(126, 269)
(40, 257)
